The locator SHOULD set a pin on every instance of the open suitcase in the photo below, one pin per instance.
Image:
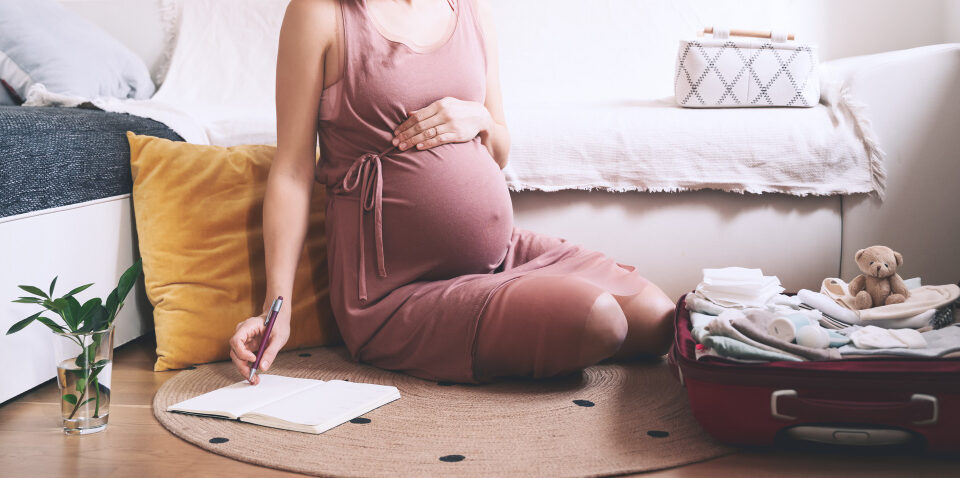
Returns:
(872, 402)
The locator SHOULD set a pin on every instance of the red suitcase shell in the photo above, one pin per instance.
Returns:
(857, 402)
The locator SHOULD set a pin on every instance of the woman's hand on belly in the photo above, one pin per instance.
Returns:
(447, 120)
(245, 343)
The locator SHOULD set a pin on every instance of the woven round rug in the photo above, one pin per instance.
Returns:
(609, 419)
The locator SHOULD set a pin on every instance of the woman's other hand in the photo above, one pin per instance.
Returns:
(246, 342)
(447, 120)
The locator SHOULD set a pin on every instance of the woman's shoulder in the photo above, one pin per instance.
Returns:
(312, 20)
(483, 13)
(318, 14)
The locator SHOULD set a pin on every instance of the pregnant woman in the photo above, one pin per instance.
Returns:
(428, 275)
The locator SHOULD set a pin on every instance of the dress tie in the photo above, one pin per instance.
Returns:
(366, 172)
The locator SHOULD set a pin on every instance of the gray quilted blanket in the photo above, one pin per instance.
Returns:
(52, 157)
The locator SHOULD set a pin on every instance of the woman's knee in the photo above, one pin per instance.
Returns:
(650, 315)
(604, 329)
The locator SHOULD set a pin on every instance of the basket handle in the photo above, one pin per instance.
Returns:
(720, 32)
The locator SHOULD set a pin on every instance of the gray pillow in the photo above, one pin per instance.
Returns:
(41, 41)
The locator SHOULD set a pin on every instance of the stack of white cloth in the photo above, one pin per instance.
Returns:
(738, 287)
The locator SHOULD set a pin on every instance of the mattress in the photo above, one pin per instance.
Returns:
(53, 157)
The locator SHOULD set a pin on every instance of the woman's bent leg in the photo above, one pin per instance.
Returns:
(650, 319)
(548, 325)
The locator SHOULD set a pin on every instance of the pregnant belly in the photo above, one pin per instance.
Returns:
(446, 211)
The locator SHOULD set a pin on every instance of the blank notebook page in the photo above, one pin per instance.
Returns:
(242, 397)
(336, 400)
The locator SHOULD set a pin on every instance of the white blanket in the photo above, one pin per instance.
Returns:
(657, 146)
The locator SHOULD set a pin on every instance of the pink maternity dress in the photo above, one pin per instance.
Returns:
(425, 264)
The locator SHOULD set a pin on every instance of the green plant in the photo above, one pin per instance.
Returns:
(78, 319)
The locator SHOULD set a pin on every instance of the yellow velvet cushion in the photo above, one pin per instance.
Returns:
(199, 221)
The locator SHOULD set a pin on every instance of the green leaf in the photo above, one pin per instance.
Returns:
(51, 324)
(127, 280)
(34, 290)
(81, 383)
(52, 283)
(112, 304)
(87, 401)
(88, 308)
(62, 308)
(28, 300)
(59, 304)
(70, 398)
(78, 290)
(96, 321)
(23, 323)
(74, 308)
(69, 309)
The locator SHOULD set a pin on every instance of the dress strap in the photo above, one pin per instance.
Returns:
(366, 173)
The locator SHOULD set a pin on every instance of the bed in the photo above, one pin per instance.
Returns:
(65, 210)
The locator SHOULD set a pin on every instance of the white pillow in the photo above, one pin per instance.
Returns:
(43, 43)
(223, 69)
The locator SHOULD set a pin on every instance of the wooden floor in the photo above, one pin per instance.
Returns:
(135, 445)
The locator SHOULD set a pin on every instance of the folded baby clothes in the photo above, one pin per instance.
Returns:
(695, 303)
(839, 291)
(698, 323)
(735, 349)
(754, 324)
(921, 300)
(721, 325)
(830, 307)
(790, 301)
(738, 287)
(940, 343)
(871, 337)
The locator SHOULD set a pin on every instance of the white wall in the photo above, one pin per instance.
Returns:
(857, 27)
(951, 21)
(617, 49)
(623, 48)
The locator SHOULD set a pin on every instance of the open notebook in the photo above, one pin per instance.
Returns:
(299, 404)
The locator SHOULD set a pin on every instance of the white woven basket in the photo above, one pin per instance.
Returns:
(722, 72)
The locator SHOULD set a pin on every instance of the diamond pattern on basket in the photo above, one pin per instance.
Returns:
(731, 74)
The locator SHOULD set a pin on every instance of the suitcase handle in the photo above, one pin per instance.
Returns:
(921, 409)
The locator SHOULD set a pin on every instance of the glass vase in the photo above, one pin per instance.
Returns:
(84, 366)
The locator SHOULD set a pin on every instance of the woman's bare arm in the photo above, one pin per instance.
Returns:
(495, 137)
(309, 28)
(308, 33)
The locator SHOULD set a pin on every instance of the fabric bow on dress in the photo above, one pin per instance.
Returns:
(366, 173)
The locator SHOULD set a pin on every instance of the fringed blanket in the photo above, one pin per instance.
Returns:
(656, 146)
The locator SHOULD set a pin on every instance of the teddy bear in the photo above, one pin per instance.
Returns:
(879, 284)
